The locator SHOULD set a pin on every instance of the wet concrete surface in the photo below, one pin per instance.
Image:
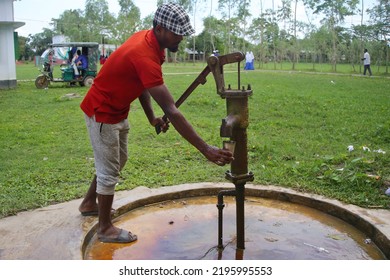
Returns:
(59, 232)
(187, 229)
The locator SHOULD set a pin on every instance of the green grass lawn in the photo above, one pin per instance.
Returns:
(300, 127)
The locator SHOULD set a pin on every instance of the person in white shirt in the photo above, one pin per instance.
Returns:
(249, 61)
(366, 61)
(252, 61)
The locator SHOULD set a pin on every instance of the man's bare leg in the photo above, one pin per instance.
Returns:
(106, 227)
(107, 232)
(89, 203)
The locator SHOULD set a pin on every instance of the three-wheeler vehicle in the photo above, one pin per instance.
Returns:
(59, 55)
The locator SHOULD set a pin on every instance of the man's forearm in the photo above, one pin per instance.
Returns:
(146, 104)
(185, 129)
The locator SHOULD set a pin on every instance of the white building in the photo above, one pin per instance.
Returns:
(7, 44)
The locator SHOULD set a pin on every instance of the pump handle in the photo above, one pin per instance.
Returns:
(201, 79)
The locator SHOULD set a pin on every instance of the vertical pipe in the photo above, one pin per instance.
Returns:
(240, 215)
(220, 207)
(239, 78)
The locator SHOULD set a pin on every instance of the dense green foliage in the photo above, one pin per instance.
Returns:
(275, 34)
(300, 127)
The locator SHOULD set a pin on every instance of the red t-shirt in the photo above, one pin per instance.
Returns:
(132, 68)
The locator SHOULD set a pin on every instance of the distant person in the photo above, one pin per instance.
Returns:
(50, 64)
(81, 63)
(366, 61)
(75, 68)
(252, 64)
(72, 56)
(134, 71)
(249, 61)
(102, 59)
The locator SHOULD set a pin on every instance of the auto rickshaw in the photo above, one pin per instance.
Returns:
(60, 55)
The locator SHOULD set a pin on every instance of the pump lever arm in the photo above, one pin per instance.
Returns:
(201, 79)
(230, 58)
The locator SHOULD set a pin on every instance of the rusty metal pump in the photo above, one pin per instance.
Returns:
(234, 127)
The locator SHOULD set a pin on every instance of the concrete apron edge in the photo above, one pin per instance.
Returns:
(60, 232)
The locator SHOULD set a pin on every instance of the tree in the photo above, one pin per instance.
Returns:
(322, 42)
(128, 21)
(193, 5)
(295, 46)
(335, 12)
(71, 23)
(257, 34)
(146, 22)
(226, 7)
(380, 19)
(243, 14)
(40, 41)
(204, 43)
(25, 51)
(284, 14)
(270, 35)
(98, 19)
(212, 35)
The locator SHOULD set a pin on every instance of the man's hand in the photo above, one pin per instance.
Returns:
(161, 123)
(218, 156)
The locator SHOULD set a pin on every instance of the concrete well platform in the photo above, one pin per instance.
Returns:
(60, 232)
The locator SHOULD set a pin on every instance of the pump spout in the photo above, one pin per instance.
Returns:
(228, 125)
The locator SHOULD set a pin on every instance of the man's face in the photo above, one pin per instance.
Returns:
(170, 40)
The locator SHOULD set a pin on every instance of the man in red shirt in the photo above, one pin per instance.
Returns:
(134, 71)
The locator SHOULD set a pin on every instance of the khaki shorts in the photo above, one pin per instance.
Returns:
(109, 144)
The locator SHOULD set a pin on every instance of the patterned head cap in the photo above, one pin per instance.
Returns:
(174, 18)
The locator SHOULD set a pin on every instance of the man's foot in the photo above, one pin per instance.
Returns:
(88, 206)
(94, 212)
(124, 236)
